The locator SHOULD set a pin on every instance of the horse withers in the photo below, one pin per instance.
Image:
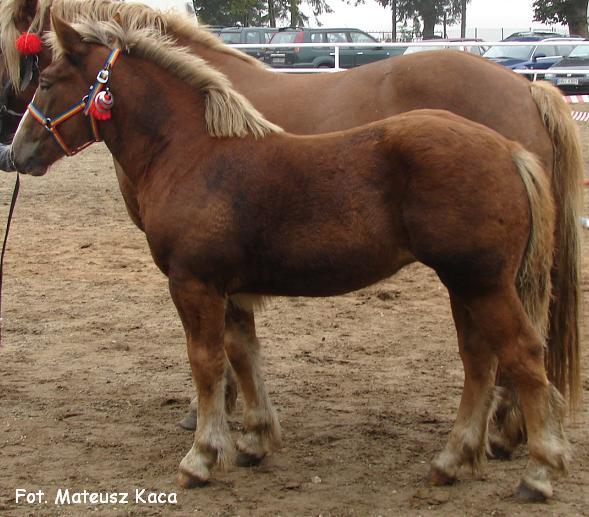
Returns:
(232, 206)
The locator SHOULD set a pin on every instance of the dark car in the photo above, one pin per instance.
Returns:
(532, 56)
(249, 35)
(324, 57)
(569, 81)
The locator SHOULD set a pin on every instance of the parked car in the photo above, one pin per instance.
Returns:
(473, 49)
(324, 57)
(533, 35)
(569, 81)
(532, 56)
(251, 35)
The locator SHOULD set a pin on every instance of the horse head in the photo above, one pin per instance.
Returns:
(59, 120)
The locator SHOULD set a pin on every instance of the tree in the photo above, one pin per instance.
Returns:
(298, 18)
(570, 12)
(431, 12)
(257, 12)
(230, 12)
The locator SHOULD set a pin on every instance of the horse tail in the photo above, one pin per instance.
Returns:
(563, 358)
(534, 279)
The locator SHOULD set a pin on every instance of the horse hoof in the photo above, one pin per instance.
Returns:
(188, 422)
(526, 493)
(244, 459)
(186, 480)
(438, 477)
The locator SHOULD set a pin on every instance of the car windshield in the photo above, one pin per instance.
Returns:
(284, 37)
(508, 52)
(580, 51)
(230, 37)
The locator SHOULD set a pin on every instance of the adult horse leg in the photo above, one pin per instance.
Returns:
(261, 432)
(202, 310)
(506, 428)
(466, 444)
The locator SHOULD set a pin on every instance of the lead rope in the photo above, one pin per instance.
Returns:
(10, 212)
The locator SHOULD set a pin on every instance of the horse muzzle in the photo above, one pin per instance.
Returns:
(22, 157)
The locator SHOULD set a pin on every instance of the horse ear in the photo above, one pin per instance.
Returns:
(69, 39)
(24, 13)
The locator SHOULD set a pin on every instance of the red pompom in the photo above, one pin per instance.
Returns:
(29, 43)
(98, 114)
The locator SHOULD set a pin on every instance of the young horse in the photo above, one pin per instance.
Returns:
(533, 114)
(312, 216)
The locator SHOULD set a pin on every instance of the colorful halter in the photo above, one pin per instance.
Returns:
(85, 105)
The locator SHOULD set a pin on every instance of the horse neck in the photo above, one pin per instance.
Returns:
(150, 106)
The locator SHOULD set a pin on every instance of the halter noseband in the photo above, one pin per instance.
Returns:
(101, 84)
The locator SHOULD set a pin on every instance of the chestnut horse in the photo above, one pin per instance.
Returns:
(533, 114)
(233, 207)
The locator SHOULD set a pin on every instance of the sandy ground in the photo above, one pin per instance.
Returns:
(94, 377)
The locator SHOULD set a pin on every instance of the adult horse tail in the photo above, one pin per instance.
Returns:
(563, 338)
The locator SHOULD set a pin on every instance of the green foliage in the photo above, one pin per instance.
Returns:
(570, 12)
(551, 11)
(229, 12)
(257, 12)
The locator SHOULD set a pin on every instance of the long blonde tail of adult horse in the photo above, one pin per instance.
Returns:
(563, 358)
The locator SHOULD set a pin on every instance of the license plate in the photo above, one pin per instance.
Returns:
(567, 80)
(278, 59)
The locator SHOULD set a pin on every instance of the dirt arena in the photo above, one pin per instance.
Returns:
(94, 377)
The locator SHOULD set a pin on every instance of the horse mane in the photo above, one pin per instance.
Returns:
(128, 14)
(227, 112)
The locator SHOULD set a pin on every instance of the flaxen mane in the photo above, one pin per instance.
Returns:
(129, 15)
(227, 113)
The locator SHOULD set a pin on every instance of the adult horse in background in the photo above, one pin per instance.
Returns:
(232, 206)
(533, 114)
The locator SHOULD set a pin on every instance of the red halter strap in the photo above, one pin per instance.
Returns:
(50, 124)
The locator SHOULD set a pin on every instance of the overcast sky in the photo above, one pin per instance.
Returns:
(485, 14)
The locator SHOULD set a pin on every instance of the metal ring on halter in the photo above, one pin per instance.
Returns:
(103, 76)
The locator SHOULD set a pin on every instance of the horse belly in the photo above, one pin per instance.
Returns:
(332, 263)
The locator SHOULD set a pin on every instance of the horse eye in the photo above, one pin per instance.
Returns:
(45, 85)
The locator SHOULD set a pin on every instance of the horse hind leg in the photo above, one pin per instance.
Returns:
(466, 444)
(504, 326)
(261, 430)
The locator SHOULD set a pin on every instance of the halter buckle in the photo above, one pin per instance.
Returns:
(103, 76)
(48, 124)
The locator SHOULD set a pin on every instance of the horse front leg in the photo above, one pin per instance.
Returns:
(261, 430)
(188, 421)
(202, 310)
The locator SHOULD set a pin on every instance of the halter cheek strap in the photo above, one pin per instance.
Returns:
(84, 106)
